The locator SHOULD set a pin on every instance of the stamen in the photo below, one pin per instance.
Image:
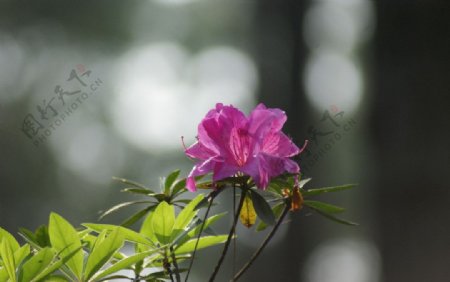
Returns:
(182, 142)
(304, 146)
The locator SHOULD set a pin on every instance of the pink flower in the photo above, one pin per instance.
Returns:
(229, 143)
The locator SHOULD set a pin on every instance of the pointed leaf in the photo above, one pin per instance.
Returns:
(324, 207)
(248, 214)
(10, 238)
(163, 221)
(122, 205)
(130, 182)
(56, 265)
(7, 255)
(178, 187)
(336, 219)
(64, 238)
(102, 252)
(262, 208)
(147, 227)
(204, 242)
(122, 264)
(170, 179)
(313, 192)
(129, 234)
(303, 182)
(140, 191)
(42, 237)
(209, 221)
(136, 217)
(277, 210)
(21, 254)
(36, 264)
(185, 216)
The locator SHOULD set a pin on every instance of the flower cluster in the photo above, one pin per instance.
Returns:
(230, 143)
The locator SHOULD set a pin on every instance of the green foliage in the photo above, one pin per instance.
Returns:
(61, 253)
(65, 240)
(262, 208)
(170, 232)
(282, 191)
(318, 191)
(170, 190)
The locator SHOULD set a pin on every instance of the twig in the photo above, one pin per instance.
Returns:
(198, 238)
(263, 245)
(230, 234)
(175, 264)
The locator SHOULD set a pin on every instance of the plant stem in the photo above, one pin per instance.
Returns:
(263, 245)
(175, 264)
(230, 234)
(234, 241)
(198, 238)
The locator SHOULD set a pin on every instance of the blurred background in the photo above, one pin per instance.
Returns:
(95, 89)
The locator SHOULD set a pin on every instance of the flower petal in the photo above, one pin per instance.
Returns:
(263, 120)
(199, 151)
(278, 144)
(199, 169)
(223, 170)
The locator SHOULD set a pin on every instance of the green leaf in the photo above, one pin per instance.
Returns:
(129, 234)
(204, 242)
(277, 210)
(163, 221)
(313, 192)
(196, 230)
(147, 227)
(21, 254)
(185, 216)
(64, 238)
(178, 187)
(56, 278)
(42, 237)
(3, 275)
(135, 217)
(141, 191)
(336, 219)
(56, 265)
(36, 264)
(170, 179)
(262, 208)
(209, 221)
(122, 205)
(102, 252)
(122, 264)
(247, 214)
(303, 182)
(324, 207)
(10, 238)
(7, 255)
(130, 182)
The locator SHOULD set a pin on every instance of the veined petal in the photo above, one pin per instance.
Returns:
(199, 151)
(278, 144)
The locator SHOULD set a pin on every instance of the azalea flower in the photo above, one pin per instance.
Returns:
(230, 143)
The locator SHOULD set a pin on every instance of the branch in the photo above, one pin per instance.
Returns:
(230, 234)
(198, 238)
(263, 245)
